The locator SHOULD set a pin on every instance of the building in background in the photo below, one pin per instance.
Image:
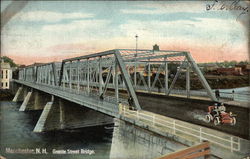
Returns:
(5, 75)
(230, 71)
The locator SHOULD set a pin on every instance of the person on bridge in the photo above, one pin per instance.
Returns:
(214, 110)
(222, 108)
(217, 94)
(130, 102)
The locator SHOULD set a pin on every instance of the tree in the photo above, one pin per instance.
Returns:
(9, 60)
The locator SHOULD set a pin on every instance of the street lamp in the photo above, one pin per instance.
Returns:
(136, 37)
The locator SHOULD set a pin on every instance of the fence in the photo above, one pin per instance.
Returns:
(183, 129)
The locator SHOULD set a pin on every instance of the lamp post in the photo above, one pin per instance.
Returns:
(136, 38)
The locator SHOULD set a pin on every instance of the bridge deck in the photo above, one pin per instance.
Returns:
(109, 108)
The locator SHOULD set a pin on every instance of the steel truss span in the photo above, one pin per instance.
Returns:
(121, 69)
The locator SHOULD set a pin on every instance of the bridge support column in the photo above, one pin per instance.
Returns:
(20, 94)
(61, 114)
(248, 123)
(34, 100)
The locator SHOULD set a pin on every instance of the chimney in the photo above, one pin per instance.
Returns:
(156, 48)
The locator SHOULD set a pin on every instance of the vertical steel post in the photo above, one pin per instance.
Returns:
(116, 82)
(188, 80)
(135, 74)
(100, 75)
(64, 78)
(35, 74)
(49, 74)
(78, 76)
(113, 74)
(43, 75)
(61, 73)
(54, 73)
(166, 76)
(46, 74)
(149, 78)
(40, 74)
(88, 90)
(70, 75)
(24, 74)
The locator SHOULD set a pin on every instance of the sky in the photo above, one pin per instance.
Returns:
(46, 31)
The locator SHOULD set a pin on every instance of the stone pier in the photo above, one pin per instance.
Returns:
(20, 94)
(35, 100)
(62, 114)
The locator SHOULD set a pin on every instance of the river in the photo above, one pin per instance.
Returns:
(19, 141)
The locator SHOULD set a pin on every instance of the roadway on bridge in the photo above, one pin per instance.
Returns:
(193, 111)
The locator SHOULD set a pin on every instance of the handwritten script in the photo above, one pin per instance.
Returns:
(228, 5)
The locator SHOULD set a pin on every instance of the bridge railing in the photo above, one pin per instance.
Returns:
(184, 129)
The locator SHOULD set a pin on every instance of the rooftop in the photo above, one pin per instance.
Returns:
(5, 65)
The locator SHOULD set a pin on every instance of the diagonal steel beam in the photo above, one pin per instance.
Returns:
(157, 75)
(175, 78)
(107, 80)
(200, 76)
(127, 80)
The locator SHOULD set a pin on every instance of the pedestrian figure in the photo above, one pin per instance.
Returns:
(233, 94)
(217, 94)
(130, 102)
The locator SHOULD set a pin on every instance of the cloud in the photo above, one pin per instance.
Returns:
(143, 11)
(203, 29)
(76, 25)
(48, 16)
(162, 7)
(29, 39)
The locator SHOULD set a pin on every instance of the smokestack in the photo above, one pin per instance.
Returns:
(156, 48)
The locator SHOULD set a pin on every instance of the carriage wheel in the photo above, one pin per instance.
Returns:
(209, 118)
(233, 121)
(216, 121)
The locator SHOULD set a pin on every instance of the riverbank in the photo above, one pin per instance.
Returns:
(6, 95)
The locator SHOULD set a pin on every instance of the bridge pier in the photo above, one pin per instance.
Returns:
(62, 114)
(34, 100)
(20, 94)
(249, 123)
